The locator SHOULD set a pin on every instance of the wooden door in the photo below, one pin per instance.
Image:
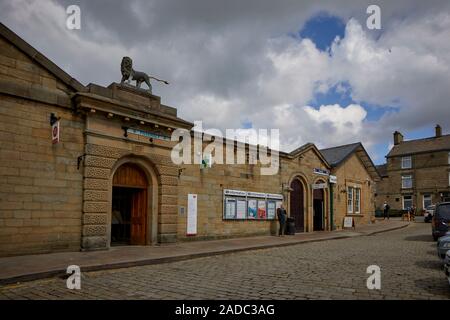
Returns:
(131, 177)
(297, 205)
(139, 217)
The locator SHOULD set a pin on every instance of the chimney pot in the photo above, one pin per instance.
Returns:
(438, 131)
(398, 138)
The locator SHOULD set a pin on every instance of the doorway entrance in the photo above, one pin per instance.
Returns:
(129, 206)
(297, 205)
(318, 210)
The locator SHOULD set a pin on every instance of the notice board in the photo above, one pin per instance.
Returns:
(192, 215)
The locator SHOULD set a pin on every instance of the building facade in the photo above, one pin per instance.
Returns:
(356, 176)
(417, 172)
(89, 167)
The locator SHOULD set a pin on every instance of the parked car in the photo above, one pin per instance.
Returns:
(443, 245)
(441, 220)
(429, 212)
(447, 266)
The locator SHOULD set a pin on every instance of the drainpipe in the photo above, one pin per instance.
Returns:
(331, 207)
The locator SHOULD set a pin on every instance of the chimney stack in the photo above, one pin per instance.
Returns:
(438, 131)
(398, 138)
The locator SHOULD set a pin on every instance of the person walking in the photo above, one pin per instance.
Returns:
(281, 215)
(386, 208)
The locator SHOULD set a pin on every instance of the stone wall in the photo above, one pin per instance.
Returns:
(353, 173)
(209, 184)
(430, 173)
(40, 186)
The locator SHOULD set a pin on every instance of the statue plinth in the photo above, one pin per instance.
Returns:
(131, 94)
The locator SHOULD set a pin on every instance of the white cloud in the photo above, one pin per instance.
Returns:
(230, 64)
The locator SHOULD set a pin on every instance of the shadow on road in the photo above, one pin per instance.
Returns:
(420, 237)
(427, 264)
(435, 286)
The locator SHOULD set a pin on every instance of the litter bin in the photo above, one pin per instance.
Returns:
(290, 226)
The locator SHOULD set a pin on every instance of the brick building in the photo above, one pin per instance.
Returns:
(416, 172)
(87, 167)
(356, 175)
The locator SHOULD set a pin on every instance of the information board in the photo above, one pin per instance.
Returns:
(192, 215)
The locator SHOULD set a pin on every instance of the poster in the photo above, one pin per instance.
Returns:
(192, 215)
(240, 208)
(271, 208)
(252, 209)
(262, 209)
(230, 208)
(278, 205)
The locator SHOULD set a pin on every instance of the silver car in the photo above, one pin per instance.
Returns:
(443, 245)
(447, 266)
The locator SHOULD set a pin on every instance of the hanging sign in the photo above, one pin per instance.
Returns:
(321, 172)
(192, 215)
(55, 132)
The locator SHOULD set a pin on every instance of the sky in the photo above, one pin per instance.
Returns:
(312, 69)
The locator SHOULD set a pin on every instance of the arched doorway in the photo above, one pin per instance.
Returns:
(318, 209)
(129, 206)
(296, 202)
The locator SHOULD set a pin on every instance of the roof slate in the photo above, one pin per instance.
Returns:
(420, 146)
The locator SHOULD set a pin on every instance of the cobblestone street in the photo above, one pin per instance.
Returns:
(335, 269)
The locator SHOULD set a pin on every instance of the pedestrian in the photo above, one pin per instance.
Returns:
(386, 208)
(281, 215)
(412, 213)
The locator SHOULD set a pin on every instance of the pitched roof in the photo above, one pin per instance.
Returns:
(306, 147)
(338, 155)
(40, 59)
(420, 146)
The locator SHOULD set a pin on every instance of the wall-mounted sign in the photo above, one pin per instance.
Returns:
(148, 134)
(239, 193)
(333, 179)
(55, 132)
(252, 209)
(250, 205)
(256, 194)
(319, 186)
(321, 172)
(241, 208)
(192, 215)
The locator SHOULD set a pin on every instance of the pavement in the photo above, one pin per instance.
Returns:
(32, 267)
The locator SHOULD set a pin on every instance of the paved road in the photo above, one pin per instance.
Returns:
(335, 269)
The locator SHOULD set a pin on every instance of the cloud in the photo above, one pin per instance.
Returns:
(232, 62)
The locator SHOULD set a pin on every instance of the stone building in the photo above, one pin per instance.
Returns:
(356, 176)
(416, 172)
(88, 167)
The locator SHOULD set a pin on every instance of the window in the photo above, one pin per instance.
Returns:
(426, 200)
(407, 202)
(353, 200)
(407, 182)
(357, 200)
(349, 200)
(406, 162)
(449, 158)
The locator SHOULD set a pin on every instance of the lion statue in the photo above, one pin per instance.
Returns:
(126, 67)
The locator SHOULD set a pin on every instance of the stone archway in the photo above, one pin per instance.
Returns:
(297, 199)
(134, 188)
(319, 208)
